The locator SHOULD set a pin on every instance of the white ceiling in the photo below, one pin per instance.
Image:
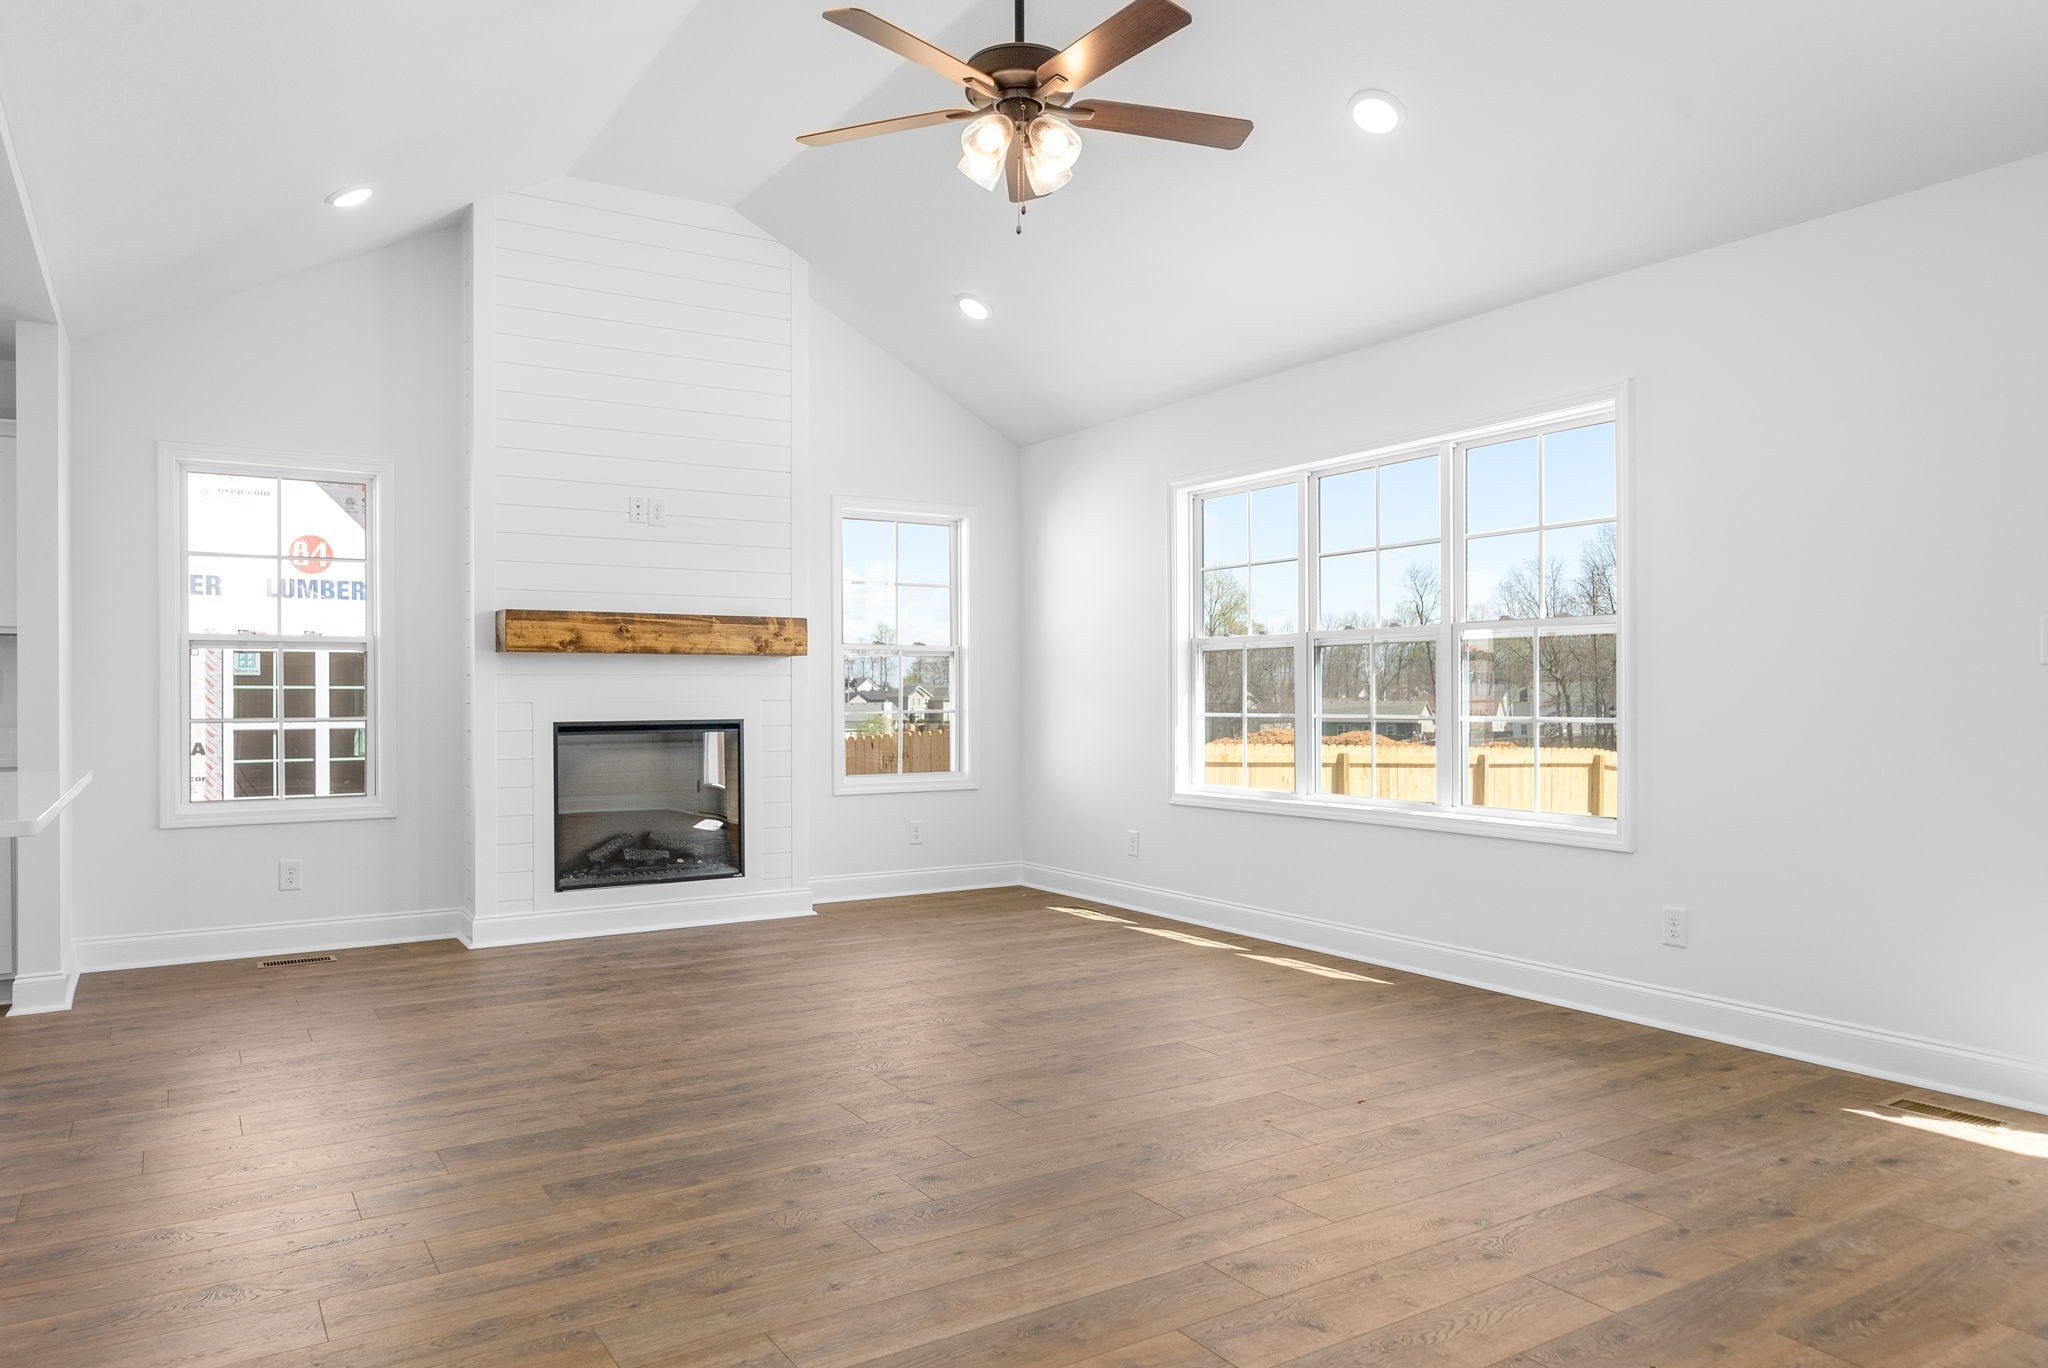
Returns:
(24, 293)
(179, 151)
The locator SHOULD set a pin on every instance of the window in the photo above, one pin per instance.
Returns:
(901, 649)
(1428, 635)
(275, 695)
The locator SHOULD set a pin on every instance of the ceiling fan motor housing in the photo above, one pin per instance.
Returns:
(1012, 68)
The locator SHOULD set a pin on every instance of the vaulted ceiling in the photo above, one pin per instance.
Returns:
(175, 151)
(24, 291)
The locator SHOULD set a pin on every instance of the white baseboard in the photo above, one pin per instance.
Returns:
(1918, 1062)
(52, 993)
(101, 953)
(903, 883)
(31, 994)
(487, 930)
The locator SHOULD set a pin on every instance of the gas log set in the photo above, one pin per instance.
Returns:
(650, 857)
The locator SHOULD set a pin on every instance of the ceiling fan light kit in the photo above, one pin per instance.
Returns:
(1023, 120)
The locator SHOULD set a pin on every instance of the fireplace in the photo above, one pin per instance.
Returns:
(646, 803)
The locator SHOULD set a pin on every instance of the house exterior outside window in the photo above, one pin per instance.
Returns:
(1431, 634)
(901, 648)
(276, 689)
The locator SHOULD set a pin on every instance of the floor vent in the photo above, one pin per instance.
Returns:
(1907, 1104)
(296, 959)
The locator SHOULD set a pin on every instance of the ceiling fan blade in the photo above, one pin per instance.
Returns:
(904, 44)
(1153, 121)
(1112, 42)
(879, 126)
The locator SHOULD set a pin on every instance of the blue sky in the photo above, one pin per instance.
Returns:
(896, 576)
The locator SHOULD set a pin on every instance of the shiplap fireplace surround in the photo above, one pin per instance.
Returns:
(625, 345)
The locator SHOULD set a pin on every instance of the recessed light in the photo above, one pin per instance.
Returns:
(974, 308)
(1375, 111)
(351, 197)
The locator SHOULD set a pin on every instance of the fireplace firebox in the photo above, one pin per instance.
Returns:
(647, 802)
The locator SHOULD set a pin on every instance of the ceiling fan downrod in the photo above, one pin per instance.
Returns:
(1020, 20)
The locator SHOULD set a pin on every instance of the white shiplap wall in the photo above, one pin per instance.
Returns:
(629, 344)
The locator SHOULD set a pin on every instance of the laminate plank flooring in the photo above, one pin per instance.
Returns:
(998, 1127)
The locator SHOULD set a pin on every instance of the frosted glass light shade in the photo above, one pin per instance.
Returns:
(1055, 142)
(983, 145)
(1051, 147)
(1044, 180)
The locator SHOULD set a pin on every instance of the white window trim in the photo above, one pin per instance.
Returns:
(176, 808)
(1184, 647)
(961, 520)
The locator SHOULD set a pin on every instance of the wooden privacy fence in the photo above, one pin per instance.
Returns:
(926, 750)
(1576, 780)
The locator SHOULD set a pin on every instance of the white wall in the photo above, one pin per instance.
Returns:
(361, 357)
(44, 547)
(1840, 571)
(881, 432)
(10, 684)
(7, 566)
(576, 404)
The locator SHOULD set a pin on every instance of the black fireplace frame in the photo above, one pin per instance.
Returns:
(733, 726)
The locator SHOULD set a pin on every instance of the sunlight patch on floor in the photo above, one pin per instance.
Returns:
(1323, 969)
(1090, 913)
(1320, 970)
(2032, 1144)
(1185, 939)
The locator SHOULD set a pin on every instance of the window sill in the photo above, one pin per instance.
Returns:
(1468, 822)
(271, 813)
(843, 787)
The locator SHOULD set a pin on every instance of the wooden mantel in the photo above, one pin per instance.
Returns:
(540, 629)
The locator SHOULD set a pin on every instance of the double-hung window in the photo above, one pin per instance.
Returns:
(1427, 635)
(275, 692)
(901, 648)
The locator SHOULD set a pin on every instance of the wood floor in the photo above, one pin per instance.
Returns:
(971, 1129)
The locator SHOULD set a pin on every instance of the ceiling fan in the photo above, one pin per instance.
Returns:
(1021, 128)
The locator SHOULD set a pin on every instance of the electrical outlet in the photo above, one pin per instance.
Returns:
(1131, 844)
(636, 508)
(917, 831)
(1677, 926)
(657, 511)
(291, 876)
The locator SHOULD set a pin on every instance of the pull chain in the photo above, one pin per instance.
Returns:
(1021, 209)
